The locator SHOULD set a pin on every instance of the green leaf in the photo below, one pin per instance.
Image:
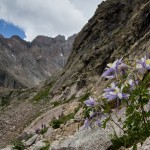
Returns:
(105, 122)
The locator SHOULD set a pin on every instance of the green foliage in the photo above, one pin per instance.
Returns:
(130, 90)
(46, 147)
(84, 97)
(44, 130)
(55, 123)
(5, 100)
(43, 94)
(56, 103)
(18, 145)
(124, 140)
(136, 125)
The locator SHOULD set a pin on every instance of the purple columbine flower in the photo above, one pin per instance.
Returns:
(131, 83)
(113, 69)
(86, 123)
(114, 92)
(144, 63)
(92, 114)
(90, 102)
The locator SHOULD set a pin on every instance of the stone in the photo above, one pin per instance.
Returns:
(78, 115)
(38, 145)
(31, 140)
(7, 148)
(146, 145)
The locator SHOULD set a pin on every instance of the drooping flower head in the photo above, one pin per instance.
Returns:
(131, 83)
(113, 69)
(99, 123)
(143, 63)
(90, 102)
(86, 123)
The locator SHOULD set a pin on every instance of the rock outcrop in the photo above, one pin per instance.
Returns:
(119, 28)
(26, 64)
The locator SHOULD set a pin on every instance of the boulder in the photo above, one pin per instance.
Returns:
(38, 145)
(146, 144)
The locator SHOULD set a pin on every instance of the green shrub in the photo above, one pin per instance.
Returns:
(55, 123)
(5, 100)
(46, 147)
(43, 94)
(56, 103)
(44, 130)
(18, 145)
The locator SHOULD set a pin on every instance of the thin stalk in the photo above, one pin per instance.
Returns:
(117, 124)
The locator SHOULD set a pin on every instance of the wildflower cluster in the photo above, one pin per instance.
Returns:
(128, 90)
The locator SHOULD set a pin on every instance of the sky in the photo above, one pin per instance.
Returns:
(29, 18)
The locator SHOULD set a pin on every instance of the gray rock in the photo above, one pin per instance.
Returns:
(146, 144)
(7, 148)
(31, 140)
(38, 145)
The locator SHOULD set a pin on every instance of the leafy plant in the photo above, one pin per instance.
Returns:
(45, 147)
(18, 145)
(5, 99)
(84, 97)
(129, 90)
(44, 130)
(56, 123)
(43, 94)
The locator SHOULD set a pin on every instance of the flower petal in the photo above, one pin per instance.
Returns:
(90, 102)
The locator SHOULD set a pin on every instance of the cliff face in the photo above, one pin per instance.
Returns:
(24, 64)
(119, 28)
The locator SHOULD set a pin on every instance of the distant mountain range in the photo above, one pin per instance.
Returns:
(26, 64)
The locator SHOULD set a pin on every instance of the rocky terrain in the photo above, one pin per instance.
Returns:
(119, 28)
(26, 64)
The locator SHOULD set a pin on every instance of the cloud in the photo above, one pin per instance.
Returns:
(48, 17)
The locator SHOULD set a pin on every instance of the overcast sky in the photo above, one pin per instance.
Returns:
(48, 17)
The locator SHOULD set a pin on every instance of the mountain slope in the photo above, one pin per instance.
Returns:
(25, 64)
(119, 28)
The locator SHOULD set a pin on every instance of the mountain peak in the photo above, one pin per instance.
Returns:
(30, 63)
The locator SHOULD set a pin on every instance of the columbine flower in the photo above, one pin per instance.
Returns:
(90, 102)
(131, 83)
(144, 63)
(113, 68)
(92, 114)
(114, 92)
(111, 88)
(86, 123)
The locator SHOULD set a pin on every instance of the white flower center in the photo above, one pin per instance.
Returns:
(117, 91)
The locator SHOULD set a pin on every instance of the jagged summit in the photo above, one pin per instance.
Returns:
(26, 64)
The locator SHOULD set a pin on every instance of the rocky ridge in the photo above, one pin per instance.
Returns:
(26, 64)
